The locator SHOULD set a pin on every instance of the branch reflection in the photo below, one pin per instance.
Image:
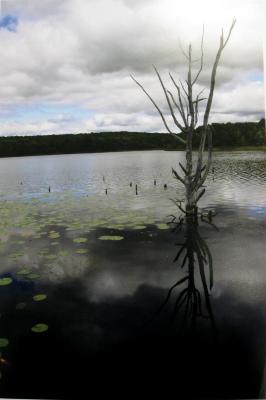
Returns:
(192, 301)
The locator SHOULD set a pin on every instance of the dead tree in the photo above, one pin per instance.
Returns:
(186, 106)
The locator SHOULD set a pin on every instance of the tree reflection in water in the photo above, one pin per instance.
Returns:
(194, 257)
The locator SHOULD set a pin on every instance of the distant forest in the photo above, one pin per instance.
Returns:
(228, 135)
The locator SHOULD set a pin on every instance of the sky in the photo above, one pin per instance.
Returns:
(66, 64)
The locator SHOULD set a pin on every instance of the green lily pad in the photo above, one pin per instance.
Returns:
(81, 251)
(50, 256)
(21, 242)
(54, 235)
(162, 226)
(20, 306)
(33, 276)
(63, 253)
(24, 271)
(44, 251)
(5, 281)
(39, 297)
(139, 227)
(4, 342)
(80, 240)
(39, 328)
(15, 256)
(109, 237)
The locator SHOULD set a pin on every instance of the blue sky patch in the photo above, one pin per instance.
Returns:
(256, 76)
(44, 111)
(9, 22)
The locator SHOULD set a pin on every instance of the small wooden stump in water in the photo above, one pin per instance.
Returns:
(136, 187)
(49, 189)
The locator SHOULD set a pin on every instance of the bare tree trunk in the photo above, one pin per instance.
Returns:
(188, 109)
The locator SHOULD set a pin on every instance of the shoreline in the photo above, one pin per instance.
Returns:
(215, 149)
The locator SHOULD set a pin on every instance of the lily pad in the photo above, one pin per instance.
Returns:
(24, 271)
(81, 251)
(15, 256)
(80, 240)
(162, 226)
(39, 297)
(39, 328)
(63, 253)
(109, 237)
(50, 256)
(54, 235)
(33, 276)
(5, 281)
(44, 251)
(139, 227)
(20, 306)
(4, 342)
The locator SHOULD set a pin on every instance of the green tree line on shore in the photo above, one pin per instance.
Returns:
(227, 135)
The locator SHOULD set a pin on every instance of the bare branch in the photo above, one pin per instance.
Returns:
(180, 100)
(198, 100)
(189, 97)
(229, 33)
(178, 107)
(183, 168)
(207, 112)
(201, 58)
(196, 111)
(168, 101)
(182, 50)
(159, 111)
(178, 177)
(214, 69)
(184, 90)
(198, 182)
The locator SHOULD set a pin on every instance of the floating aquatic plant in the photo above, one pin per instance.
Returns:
(109, 237)
(50, 256)
(162, 226)
(24, 271)
(81, 251)
(63, 253)
(20, 306)
(39, 297)
(138, 227)
(80, 240)
(54, 235)
(33, 276)
(5, 281)
(4, 342)
(39, 328)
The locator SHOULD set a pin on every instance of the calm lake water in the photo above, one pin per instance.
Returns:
(101, 267)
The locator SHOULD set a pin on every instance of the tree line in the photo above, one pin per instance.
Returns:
(227, 135)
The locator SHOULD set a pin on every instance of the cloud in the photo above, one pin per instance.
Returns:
(77, 53)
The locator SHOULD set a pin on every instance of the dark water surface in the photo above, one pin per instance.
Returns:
(104, 265)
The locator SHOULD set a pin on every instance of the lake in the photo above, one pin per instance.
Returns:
(85, 274)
